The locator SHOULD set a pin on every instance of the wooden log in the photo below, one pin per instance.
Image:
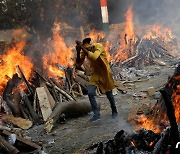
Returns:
(11, 84)
(25, 80)
(44, 102)
(63, 92)
(84, 83)
(21, 139)
(25, 113)
(66, 108)
(68, 74)
(16, 98)
(50, 98)
(36, 118)
(161, 142)
(54, 93)
(18, 121)
(171, 115)
(7, 146)
(81, 74)
(6, 107)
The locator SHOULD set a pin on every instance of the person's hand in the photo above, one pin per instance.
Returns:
(78, 42)
(78, 48)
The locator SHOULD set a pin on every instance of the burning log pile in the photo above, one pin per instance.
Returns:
(148, 52)
(162, 135)
(39, 100)
(142, 141)
(42, 101)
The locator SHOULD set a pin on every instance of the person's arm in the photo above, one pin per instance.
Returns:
(92, 55)
(80, 56)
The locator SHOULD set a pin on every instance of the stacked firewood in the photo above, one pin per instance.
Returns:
(43, 100)
(146, 141)
(148, 51)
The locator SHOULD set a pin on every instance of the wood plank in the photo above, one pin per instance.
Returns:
(18, 121)
(21, 139)
(7, 146)
(51, 99)
(44, 102)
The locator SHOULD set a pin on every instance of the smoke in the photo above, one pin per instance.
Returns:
(165, 12)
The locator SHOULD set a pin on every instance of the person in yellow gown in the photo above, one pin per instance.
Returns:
(101, 75)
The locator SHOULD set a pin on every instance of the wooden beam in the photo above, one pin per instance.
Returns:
(18, 121)
(7, 146)
(21, 139)
(44, 102)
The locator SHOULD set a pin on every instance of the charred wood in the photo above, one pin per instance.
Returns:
(21, 139)
(36, 118)
(163, 140)
(25, 80)
(7, 146)
(171, 115)
(11, 84)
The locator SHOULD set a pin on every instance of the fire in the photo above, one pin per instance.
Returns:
(154, 123)
(120, 55)
(132, 143)
(96, 36)
(128, 38)
(151, 143)
(148, 124)
(176, 100)
(60, 55)
(10, 59)
(158, 31)
(19, 34)
(129, 26)
(99, 37)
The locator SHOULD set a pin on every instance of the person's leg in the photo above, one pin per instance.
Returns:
(112, 103)
(95, 108)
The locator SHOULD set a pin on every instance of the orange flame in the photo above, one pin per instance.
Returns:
(158, 31)
(132, 143)
(153, 122)
(128, 38)
(151, 143)
(19, 35)
(8, 62)
(60, 54)
(176, 100)
(129, 27)
(98, 37)
(148, 124)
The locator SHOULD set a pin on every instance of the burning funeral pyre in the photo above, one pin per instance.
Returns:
(36, 91)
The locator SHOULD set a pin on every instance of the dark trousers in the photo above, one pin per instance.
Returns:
(91, 95)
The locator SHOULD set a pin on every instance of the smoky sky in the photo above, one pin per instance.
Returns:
(146, 11)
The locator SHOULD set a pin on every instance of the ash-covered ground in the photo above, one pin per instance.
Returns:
(78, 133)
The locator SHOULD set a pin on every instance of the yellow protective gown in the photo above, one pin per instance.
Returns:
(100, 70)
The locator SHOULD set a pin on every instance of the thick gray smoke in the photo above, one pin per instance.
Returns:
(165, 12)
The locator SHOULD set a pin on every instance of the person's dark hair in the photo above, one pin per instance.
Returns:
(86, 40)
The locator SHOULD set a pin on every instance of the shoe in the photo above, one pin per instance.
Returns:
(114, 114)
(95, 118)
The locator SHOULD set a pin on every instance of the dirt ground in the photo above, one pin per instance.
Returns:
(78, 133)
